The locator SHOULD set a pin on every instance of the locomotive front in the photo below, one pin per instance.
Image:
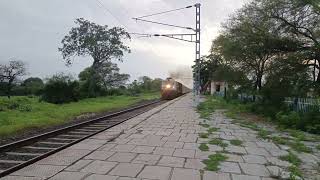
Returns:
(170, 89)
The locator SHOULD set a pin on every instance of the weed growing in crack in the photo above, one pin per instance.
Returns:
(212, 164)
(264, 134)
(300, 147)
(204, 135)
(279, 140)
(218, 142)
(298, 135)
(212, 129)
(294, 172)
(204, 125)
(292, 158)
(203, 147)
(236, 142)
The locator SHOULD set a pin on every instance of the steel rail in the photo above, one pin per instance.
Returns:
(24, 142)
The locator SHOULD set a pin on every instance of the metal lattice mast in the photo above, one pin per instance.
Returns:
(196, 40)
(197, 80)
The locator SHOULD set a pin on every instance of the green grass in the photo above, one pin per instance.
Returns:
(206, 108)
(203, 147)
(264, 134)
(218, 142)
(204, 125)
(292, 158)
(212, 129)
(42, 114)
(295, 145)
(298, 135)
(279, 140)
(300, 147)
(236, 142)
(204, 135)
(247, 124)
(294, 172)
(212, 164)
(318, 147)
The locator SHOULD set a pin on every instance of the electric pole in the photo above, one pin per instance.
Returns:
(193, 38)
(197, 78)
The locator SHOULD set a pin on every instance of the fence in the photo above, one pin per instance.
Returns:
(302, 104)
(295, 104)
(249, 98)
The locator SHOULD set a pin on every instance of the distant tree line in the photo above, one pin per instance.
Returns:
(62, 88)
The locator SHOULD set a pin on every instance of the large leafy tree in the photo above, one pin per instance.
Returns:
(252, 42)
(100, 42)
(299, 20)
(107, 77)
(111, 77)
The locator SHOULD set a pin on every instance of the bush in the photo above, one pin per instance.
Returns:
(310, 121)
(289, 120)
(114, 92)
(61, 89)
(19, 103)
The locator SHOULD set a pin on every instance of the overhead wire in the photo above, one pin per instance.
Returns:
(118, 20)
(103, 6)
(164, 12)
(165, 24)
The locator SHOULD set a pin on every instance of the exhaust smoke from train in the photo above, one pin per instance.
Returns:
(183, 74)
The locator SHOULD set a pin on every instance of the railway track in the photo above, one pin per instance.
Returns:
(17, 155)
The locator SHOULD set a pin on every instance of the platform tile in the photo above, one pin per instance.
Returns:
(37, 170)
(185, 174)
(155, 172)
(69, 175)
(99, 167)
(126, 169)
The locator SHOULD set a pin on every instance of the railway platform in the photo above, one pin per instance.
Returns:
(163, 144)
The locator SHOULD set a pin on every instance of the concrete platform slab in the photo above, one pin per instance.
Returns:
(161, 144)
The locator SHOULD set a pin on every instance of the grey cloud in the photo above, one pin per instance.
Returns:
(31, 30)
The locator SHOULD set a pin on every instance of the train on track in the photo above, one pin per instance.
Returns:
(171, 89)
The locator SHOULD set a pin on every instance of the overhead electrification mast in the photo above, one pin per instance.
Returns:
(187, 37)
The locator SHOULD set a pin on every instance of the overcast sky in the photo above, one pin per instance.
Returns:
(32, 30)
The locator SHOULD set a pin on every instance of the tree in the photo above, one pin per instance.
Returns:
(10, 72)
(61, 88)
(156, 84)
(99, 42)
(214, 68)
(146, 83)
(33, 85)
(111, 77)
(107, 77)
(299, 20)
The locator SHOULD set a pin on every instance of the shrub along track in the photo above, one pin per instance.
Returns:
(24, 152)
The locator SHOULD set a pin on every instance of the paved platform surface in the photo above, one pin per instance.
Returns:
(161, 144)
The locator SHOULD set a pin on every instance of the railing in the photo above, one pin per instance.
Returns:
(249, 98)
(302, 104)
(295, 104)
(221, 93)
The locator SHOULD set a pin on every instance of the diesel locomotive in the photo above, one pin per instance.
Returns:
(171, 89)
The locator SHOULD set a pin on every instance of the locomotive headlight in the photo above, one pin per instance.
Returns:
(168, 86)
